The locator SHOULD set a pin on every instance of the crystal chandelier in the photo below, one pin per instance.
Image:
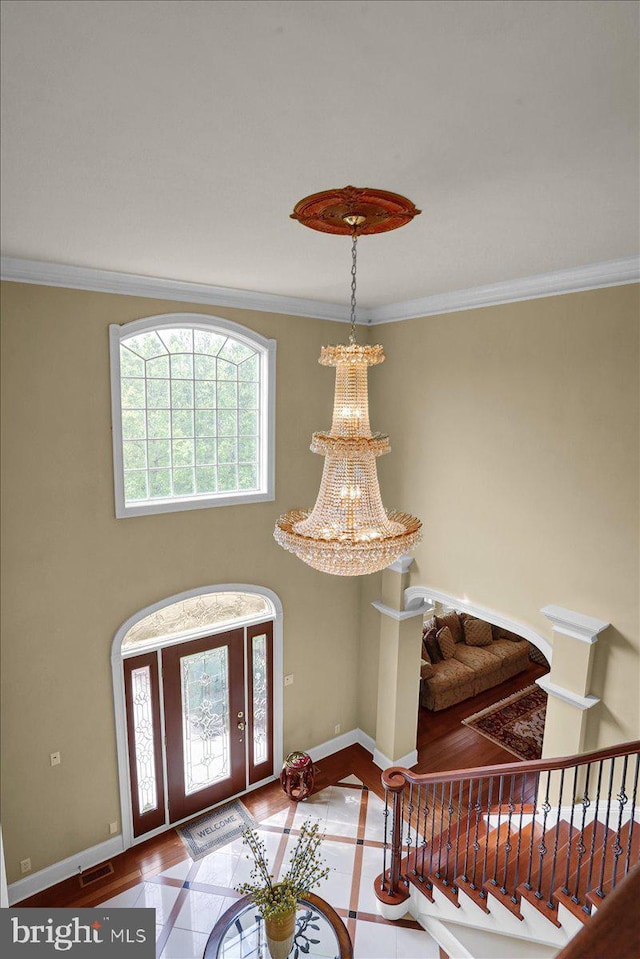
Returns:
(348, 532)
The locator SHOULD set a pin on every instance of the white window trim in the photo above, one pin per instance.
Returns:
(266, 350)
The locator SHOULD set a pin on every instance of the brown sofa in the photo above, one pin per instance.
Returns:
(472, 668)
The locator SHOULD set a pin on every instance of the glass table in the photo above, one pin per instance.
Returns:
(239, 933)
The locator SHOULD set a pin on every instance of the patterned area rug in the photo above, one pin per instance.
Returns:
(216, 828)
(515, 723)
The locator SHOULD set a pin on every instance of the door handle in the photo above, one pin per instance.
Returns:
(241, 726)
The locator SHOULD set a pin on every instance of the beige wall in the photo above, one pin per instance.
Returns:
(514, 437)
(514, 434)
(73, 573)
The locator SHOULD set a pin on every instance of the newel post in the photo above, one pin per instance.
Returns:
(391, 888)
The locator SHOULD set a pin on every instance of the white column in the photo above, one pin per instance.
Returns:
(568, 682)
(398, 670)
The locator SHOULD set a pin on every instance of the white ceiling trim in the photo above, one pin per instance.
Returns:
(575, 280)
(592, 277)
(131, 284)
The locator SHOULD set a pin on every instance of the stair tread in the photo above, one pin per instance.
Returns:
(516, 866)
(578, 881)
(592, 896)
(478, 895)
(539, 895)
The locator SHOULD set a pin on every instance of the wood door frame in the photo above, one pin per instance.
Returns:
(117, 662)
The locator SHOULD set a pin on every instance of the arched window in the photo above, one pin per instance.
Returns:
(193, 408)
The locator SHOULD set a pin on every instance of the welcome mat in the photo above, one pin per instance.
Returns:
(515, 723)
(216, 828)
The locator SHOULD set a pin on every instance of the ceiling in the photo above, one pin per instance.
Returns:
(172, 139)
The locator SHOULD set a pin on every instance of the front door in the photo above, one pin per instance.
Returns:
(205, 726)
(216, 699)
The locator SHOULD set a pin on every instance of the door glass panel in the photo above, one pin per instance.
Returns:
(260, 701)
(144, 739)
(205, 718)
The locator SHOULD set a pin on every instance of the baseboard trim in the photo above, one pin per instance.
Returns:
(59, 871)
(383, 762)
(343, 741)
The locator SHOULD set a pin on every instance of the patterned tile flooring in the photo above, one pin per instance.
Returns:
(189, 898)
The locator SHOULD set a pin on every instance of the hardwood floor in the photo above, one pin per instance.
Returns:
(443, 743)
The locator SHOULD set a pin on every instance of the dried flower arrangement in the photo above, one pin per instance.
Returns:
(306, 869)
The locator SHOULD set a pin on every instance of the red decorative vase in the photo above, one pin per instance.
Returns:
(297, 776)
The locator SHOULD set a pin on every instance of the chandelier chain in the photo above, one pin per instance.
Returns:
(354, 266)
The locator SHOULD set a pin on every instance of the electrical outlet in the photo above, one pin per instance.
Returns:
(337, 728)
(25, 866)
(55, 759)
(113, 828)
(288, 680)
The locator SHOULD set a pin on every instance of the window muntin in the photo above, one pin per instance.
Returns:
(195, 408)
(196, 614)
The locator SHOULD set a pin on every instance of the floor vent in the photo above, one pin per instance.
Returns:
(86, 878)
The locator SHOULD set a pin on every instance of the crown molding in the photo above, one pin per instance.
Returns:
(130, 284)
(592, 277)
(575, 625)
(566, 695)
(400, 615)
(575, 280)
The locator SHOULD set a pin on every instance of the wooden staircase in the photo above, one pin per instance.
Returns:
(526, 850)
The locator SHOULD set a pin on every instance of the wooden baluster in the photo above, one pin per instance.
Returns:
(587, 908)
(455, 858)
(542, 848)
(507, 845)
(554, 862)
(600, 890)
(466, 842)
(441, 831)
(632, 820)
(483, 894)
(622, 799)
(494, 881)
(581, 848)
(514, 897)
(476, 844)
(527, 884)
(565, 887)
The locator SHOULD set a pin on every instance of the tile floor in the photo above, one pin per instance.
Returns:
(189, 898)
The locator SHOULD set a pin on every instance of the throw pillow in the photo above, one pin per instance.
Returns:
(430, 646)
(453, 622)
(500, 633)
(446, 643)
(477, 632)
(426, 670)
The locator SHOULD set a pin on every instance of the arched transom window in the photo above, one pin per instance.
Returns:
(192, 412)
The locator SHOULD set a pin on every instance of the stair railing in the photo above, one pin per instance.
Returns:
(549, 830)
